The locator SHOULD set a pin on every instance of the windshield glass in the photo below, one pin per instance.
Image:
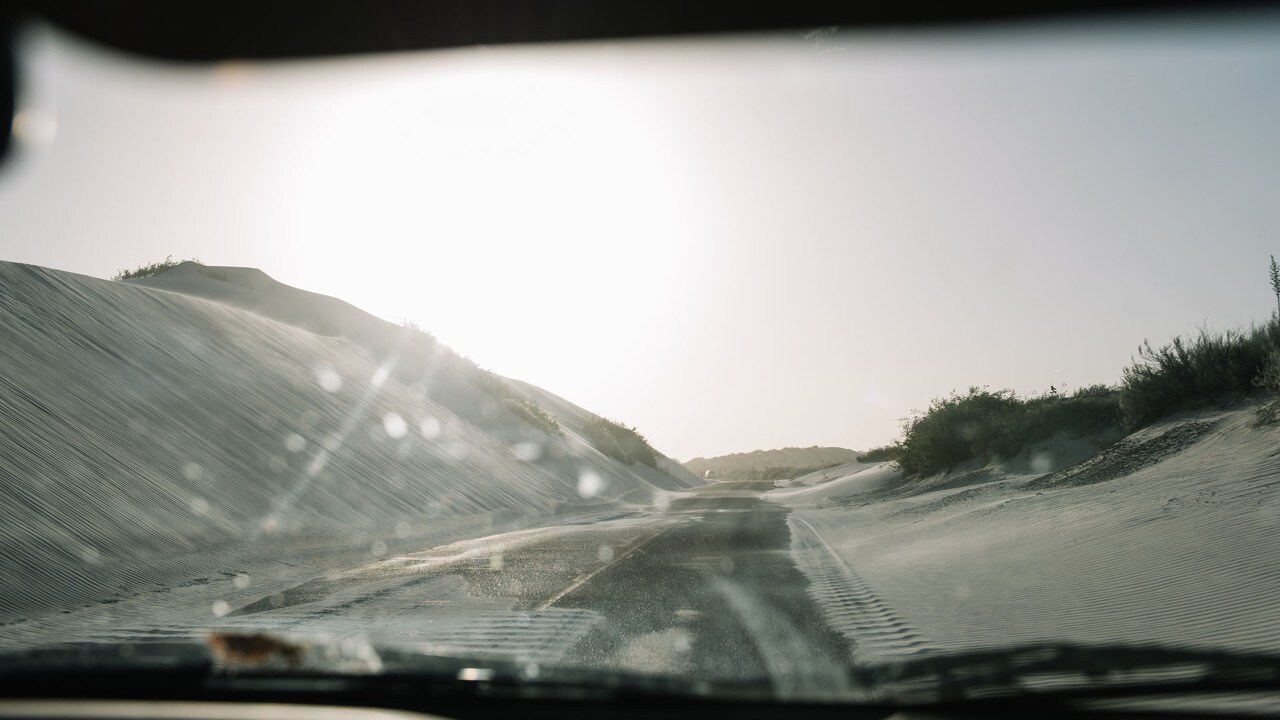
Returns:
(787, 365)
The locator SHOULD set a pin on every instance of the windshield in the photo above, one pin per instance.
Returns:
(814, 365)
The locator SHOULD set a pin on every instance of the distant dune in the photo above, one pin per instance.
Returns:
(149, 421)
(780, 464)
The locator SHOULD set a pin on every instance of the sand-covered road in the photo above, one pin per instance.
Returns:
(705, 585)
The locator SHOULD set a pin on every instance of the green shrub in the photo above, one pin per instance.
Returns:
(622, 443)
(881, 454)
(492, 384)
(982, 424)
(525, 409)
(418, 330)
(532, 413)
(770, 472)
(1275, 280)
(1186, 374)
(154, 268)
(1269, 381)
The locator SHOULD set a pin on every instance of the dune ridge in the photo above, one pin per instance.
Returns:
(144, 425)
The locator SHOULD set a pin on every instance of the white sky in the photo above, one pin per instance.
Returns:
(733, 245)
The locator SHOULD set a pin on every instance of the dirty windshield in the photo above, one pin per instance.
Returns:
(803, 365)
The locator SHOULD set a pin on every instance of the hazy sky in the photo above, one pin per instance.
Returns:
(755, 243)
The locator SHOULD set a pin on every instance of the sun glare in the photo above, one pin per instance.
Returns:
(503, 203)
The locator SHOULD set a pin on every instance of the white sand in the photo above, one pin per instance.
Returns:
(150, 437)
(1182, 551)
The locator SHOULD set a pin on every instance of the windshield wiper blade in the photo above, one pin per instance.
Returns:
(1064, 671)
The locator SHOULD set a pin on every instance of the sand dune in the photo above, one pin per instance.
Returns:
(146, 427)
(1172, 537)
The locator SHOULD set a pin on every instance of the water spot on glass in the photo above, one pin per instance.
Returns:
(454, 450)
(295, 443)
(661, 500)
(475, 674)
(192, 471)
(682, 641)
(589, 483)
(90, 555)
(531, 671)
(395, 425)
(380, 376)
(1042, 462)
(199, 506)
(241, 580)
(329, 379)
(527, 451)
(605, 554)
(378, 548)
(429, 427)
(270, 524)
(220, 608)
(278, 463)
(317, 463)
(34, 127)
(332, 442)
(495, 562)
(523, 620)
(403, 529)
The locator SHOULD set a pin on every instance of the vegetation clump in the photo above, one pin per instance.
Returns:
(883, 453)
(532, 413)
(622, 443)
(154, 268)
(1211, 367)
(988, 425)
(523, 408)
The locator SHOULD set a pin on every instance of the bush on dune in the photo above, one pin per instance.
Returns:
(1269, 381)
(532, 413)
(881, 454)
(154, 268)
(622, 443)
(988, 425)
(523, 408)
(1211, 367)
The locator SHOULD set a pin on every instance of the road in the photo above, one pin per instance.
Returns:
(705, 586)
